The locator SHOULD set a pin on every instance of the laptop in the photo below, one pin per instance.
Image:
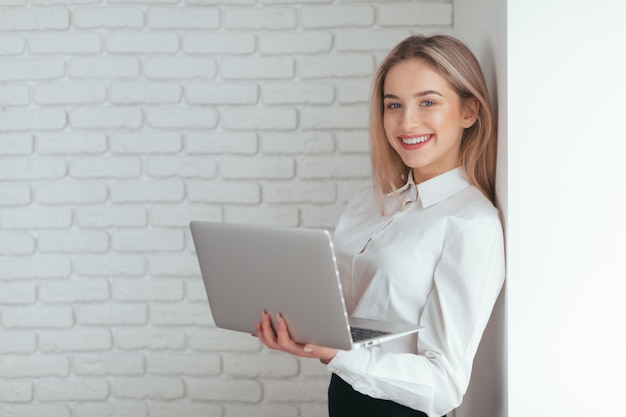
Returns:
(248, 269)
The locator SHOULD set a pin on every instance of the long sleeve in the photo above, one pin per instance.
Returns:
(466, 282)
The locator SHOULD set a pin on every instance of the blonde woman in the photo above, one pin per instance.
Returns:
(424, 245)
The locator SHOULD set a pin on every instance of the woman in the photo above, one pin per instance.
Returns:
(424, 245)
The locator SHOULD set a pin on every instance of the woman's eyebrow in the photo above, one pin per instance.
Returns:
(419, 94)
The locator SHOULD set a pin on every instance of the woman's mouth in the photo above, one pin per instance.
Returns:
(414, 141)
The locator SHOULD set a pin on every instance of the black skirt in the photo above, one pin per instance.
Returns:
(343, 401)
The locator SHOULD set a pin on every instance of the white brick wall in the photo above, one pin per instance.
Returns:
(121, 122)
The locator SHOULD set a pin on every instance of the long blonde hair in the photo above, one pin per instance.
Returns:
(456, 63)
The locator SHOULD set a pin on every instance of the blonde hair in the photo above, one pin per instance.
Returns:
(456, 63)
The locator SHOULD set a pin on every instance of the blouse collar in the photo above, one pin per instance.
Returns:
(434, 190)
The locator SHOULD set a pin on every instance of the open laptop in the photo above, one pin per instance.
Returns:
(248, 269)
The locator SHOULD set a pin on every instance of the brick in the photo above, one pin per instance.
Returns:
(50, 43)
(36, 218)
(415, 14)
(108, 364)
(146, 143)
(105, 167)
(279, 216)
(181, 215)
(70, 143)
(35, 267)
(150, 2)
(181, 118)
(224, 192)
(369, 39)
(106, 118)
(16, 244)
(221, 143)
(73, 242)
(39, 18)
(74, 291)
(157, 240)
(298, 93)
(315, 17)
(152, 339)
(16, 144)
(265, 410)
(179, 265)
(75, 340)
(34, 410)
(355, 141)
(148, 387)
(295, 143)
(224, 390)
(221, 93)
(70, 93)
(152, 290)
(217, 340)
(177, 409)
(17, 342)
(332, 66)
(34, 366)
(183, 18)
(32, 119)
(270, 18)
(348, 166)
(110, 216)
(37, 317)
(189, 364)
(135, 42)
(24, 69)
(110, 17)
(144, 191)
(64, 192)
(14, 95)
(194, 290)
(145, 93)
(353, 91)
(295, 42)
(312, 367)
(257, 167)
(102, 67)
(352, 117)
(17, 293)
(12, 44)
(188, 167)
(180, 68)
(16, 391)
(14, 195)
(110, 409)
(299, 192)
(81, 389)
(193, 314)
(112, 314)
(255, 366)
(109, 265)
(219, 43)
(259, 118)
(304, 389)
(324, 217)
(258, 68)
(347, 189)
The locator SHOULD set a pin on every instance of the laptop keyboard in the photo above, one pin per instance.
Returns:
(360, 333)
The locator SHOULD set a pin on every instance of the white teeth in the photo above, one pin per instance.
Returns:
(414, 141)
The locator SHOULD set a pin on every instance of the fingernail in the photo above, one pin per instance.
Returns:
(308, 349)
(279, 317)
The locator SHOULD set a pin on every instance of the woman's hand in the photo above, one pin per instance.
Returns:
(281, 340)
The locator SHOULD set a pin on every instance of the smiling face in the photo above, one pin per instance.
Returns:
(424, 118)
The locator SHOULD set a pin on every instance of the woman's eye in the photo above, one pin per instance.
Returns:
(393, 106)
(427, 103)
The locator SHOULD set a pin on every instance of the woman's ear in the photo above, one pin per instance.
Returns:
(470, 112)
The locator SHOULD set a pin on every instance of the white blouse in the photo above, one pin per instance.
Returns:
(438, 262)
